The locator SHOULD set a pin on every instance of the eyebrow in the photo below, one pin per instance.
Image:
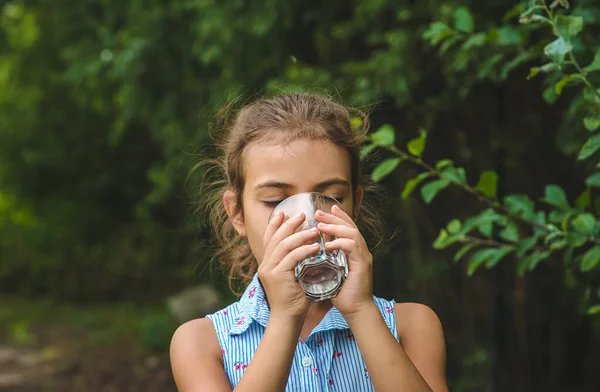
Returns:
(320, 186)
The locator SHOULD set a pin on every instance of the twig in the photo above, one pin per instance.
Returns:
(491, 202)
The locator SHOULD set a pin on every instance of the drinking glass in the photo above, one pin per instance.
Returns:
(321, 275)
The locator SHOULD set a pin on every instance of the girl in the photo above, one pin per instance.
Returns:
(274, 338)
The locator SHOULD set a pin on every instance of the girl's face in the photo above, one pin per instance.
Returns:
(275, 172)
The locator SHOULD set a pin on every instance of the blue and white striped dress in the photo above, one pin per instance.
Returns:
(328, 360)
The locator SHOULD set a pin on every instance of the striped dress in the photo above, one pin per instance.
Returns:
(328, 360)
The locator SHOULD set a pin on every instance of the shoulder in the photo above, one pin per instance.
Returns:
(196, 360)
(422, 338)
(196, 338)
(414, 318)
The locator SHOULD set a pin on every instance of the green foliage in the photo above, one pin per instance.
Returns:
(556, 196)
(590, 259)
(384, 136)
(590, 147)
(431, 189)
(385, 168)
(156, 330)
(520, 225)
(490, 257)
(488, 183)
(417, 146)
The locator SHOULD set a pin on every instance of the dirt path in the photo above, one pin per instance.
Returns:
(66, 362)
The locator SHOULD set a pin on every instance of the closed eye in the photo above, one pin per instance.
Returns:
(272, 204)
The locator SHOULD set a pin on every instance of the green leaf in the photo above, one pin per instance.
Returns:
(514, 63)
(521, 205)
(412, 183)
(556, 196)
(566, 26)
(562, 3)
(442, 236)
(508, 36)
(485, 218)
(486, 229)
(558, 88)
(487, 67)
(531, 10)
(585, 199)
(436, 32)
(594, 310)
(540, 217)
(430, 190)
(510, 232)
(454, 226)
(417, 146)
(366, 150)
(499, 255)
(463, 20)
(539, 19)
(591, 95)
(448, 43)
(575, 240)
(385, 168)
(592, 120)
(455, 174)
(590, 259)
(475, 41)
(444, 240)
(557, 50)
(490, 256)
(546, 68)
(558, 216)
(463, 251)
(593, 180)
(590, 147)
(525, 244)
(595, 65)
(384, 136)
(443, 164)
(488, 183)
(585, 224)
(356, 123)
(535, 258)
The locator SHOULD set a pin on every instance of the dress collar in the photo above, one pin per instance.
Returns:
(253, 308)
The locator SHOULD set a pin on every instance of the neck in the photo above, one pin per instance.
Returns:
(316, 312)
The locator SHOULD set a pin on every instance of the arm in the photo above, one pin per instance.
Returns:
(198, 365)
(270, 367)
(417, 364)
(196, 359)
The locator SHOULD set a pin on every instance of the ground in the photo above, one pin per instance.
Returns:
(49, 347)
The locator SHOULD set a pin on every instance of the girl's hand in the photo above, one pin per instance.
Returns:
(357, 292)
(284, 249)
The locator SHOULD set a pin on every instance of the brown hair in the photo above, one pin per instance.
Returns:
(290, 117)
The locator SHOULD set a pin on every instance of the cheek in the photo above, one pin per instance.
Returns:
(348, 207)
(256, 221)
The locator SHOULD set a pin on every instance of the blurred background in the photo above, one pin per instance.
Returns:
(105, 106)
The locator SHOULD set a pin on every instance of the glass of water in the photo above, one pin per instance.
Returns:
(322, 275)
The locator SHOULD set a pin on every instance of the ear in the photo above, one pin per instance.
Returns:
(234, 212)
(358, 198)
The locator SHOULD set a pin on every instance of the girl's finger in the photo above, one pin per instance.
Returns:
(345, 244)
(292, 242)
(272, 227)
(337, 211)
(284, 230)
(333, 219)
(340, 231)
(292, 259)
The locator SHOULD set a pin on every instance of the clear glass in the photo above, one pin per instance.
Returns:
(322, 275)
